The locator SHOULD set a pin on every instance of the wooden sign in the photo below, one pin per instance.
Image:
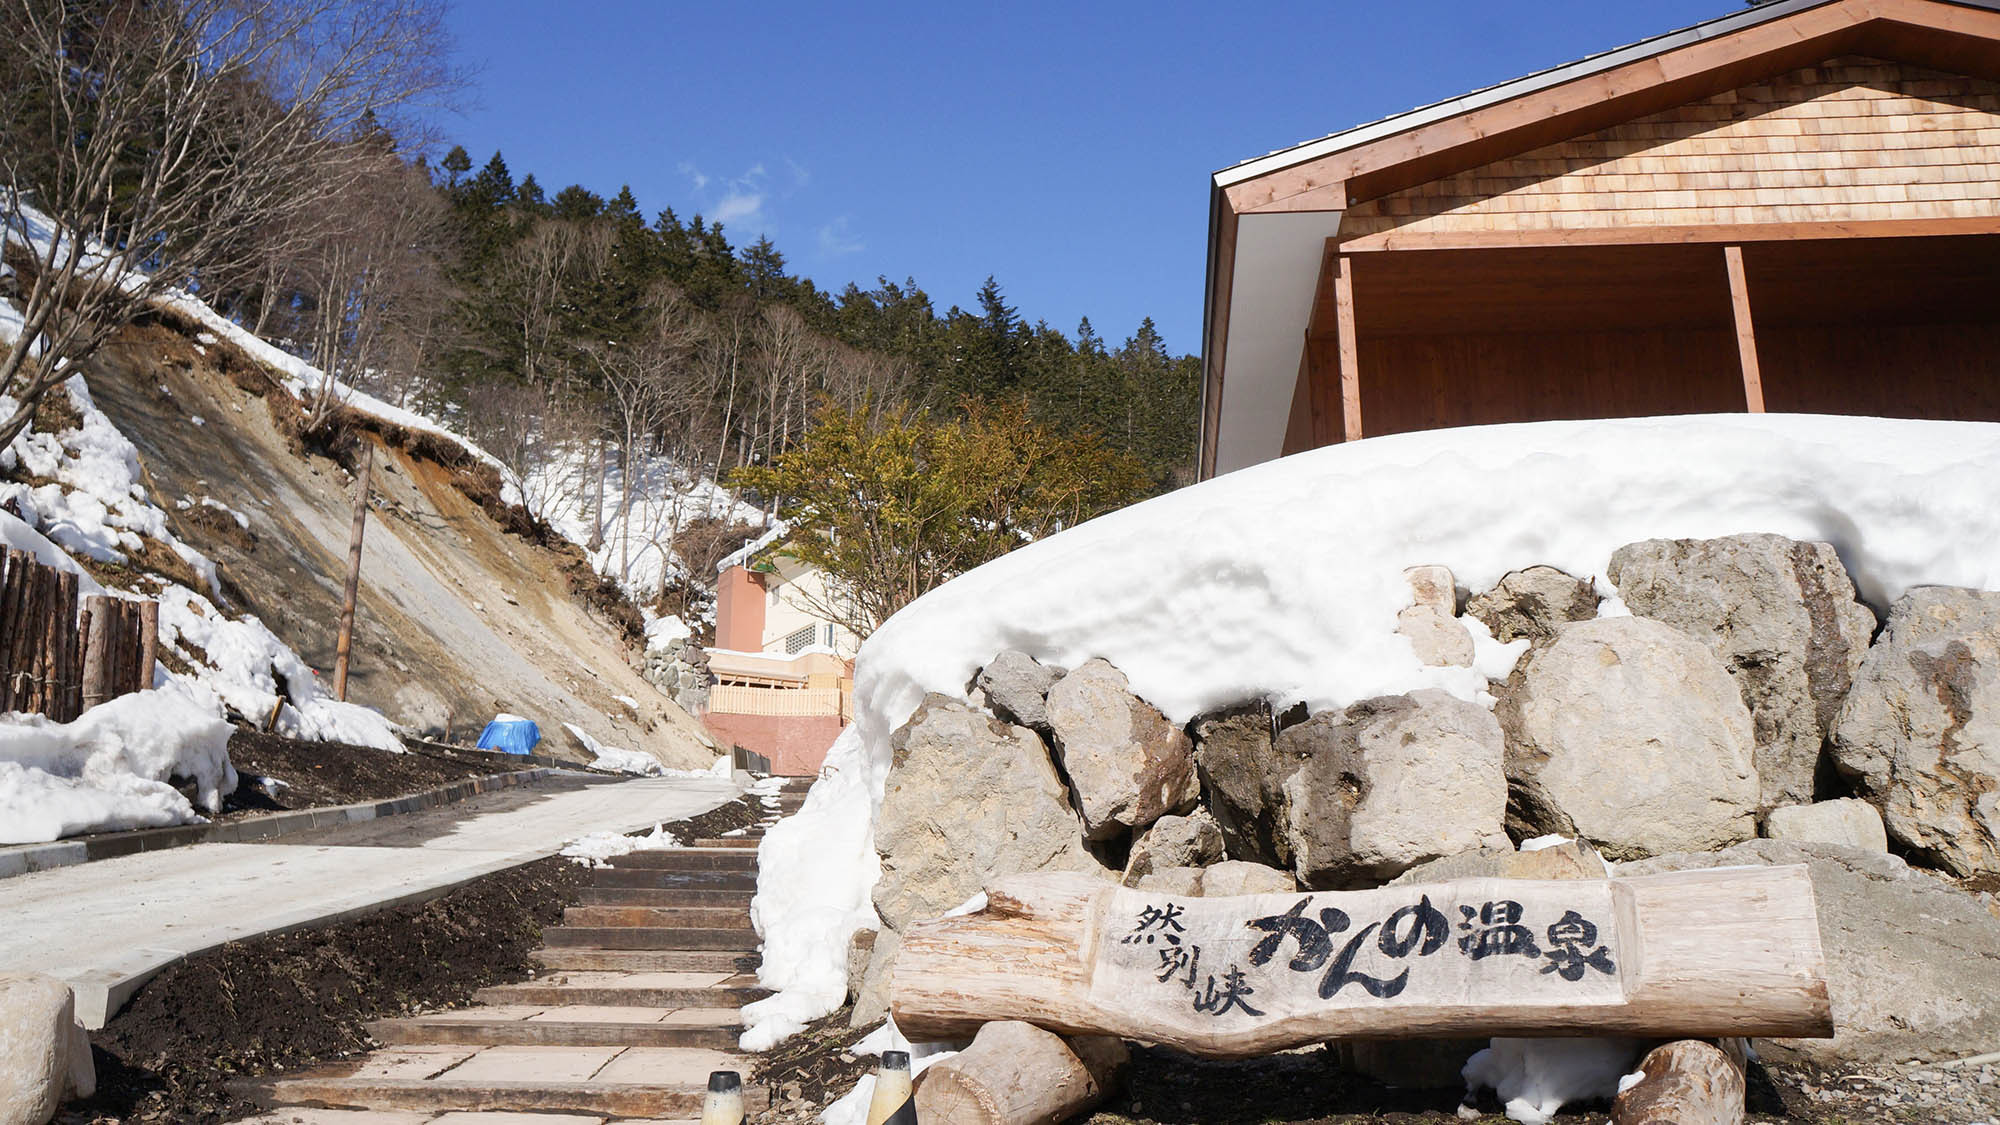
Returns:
(1704, 953)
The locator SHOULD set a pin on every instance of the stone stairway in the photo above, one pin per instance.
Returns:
(639, 1002)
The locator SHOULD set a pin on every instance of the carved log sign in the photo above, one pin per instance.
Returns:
(1303, 955)
(1686, 954)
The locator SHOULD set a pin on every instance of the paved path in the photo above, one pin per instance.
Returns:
(106, 927)
(639, 1004)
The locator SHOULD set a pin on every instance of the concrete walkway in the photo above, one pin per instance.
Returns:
(106, 927)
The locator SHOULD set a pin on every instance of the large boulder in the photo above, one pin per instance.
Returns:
(1627, 733)
(1017, 687)
(1242, 780)
(1531, 603)
(1564, 861)
(1781, 615)
(1227, 879)
(44, 1057)
(1193, 840)
(1910, 959)
(1128, 764)
(1847, 822)
(1389, 783)
(1921, 727)
(968, 799)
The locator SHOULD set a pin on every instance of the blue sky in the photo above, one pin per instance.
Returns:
(1063, 148)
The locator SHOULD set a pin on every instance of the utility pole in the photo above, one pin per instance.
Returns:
(345, 646)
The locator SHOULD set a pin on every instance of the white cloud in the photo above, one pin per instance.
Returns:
(835, 239)
(739, 206)
(800, 177)
(694, 174)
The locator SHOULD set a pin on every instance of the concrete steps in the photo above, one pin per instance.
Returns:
(646, 978)
(584, 958)
(663, 896)
(693, 917)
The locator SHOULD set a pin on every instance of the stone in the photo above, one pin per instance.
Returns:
(1193, 840)
(1909, 958)
(1531, 603)
(1847, 822)
(1781, 615)
(871, 997)
(1239, 877)
(1017, 687)
(1390, 783)
(1128, 765)
(1564, 861)
(1242, 781)
(1628, 734)
(37, 1048)
(968, 799)
(1432, 588)
(860, 950)
(1438, 639)
(1920, 731)
(1223, 880)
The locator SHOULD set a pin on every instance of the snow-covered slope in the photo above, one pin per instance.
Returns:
(1284, 580)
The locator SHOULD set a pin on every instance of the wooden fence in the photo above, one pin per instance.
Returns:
(58, 658)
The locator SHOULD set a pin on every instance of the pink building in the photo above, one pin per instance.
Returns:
(784, 672)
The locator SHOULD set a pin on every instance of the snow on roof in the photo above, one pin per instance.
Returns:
(741, 556)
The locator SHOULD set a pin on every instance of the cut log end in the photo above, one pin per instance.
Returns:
(1018, 1074)
(1688, 1082)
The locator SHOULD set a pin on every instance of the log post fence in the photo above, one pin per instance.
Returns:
(60, 654)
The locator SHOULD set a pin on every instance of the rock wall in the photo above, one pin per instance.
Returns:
(1732, 687)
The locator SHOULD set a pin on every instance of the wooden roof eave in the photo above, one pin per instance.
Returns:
(1959, 35)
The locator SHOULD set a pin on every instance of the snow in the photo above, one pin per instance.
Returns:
(238, 663)
(615, 759)
(662, 632)
(1535, 1078)
(1543, 843)
(573, 493)
(598, 848)
(109, 770)
(1284, 580)
(852, 1108)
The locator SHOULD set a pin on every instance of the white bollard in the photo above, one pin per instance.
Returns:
(892, 1104)
(724, 1104)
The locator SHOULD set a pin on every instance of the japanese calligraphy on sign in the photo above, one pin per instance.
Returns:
(1282, 955)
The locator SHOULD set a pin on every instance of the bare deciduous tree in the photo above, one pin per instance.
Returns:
(143, 144)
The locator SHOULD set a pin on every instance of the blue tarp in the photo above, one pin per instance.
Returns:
(510, 736)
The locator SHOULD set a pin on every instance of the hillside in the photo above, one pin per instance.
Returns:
(458, 618)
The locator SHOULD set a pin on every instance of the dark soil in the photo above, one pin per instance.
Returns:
(301, 998)
(318, 774)
(813, 1066)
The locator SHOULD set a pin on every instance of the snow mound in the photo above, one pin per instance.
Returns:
(110, 769)
(1283, 581)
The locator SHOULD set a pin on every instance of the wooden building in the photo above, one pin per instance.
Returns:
(1795, 207)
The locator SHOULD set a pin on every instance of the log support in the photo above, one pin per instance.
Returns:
(1017, 1074)
(1686, 1083)
(1746, 330)
(1350, 349)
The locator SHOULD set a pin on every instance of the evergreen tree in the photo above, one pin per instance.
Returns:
(456, 163)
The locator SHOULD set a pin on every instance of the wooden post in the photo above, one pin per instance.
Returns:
(13, 620)
(1350, 350)
(343, 649)
(1746, 331)
(1017, 1074)
(97, 628)
(1680, 955)
(67, 672)
(1687, 1083)
(149, 642)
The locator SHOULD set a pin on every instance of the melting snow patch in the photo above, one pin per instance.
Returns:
(615, 759)
(110, 769)
(598, 848)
